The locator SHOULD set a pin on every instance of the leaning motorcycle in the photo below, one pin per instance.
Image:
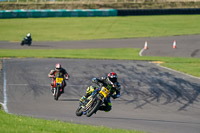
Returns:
(58, 87)
(91, 104)
(26, 41)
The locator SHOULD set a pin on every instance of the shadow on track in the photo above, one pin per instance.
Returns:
(195, 53)
(67, 99)
(142, 83)
(163, 88)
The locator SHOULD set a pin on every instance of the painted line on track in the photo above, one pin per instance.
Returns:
(141, 51)
(2, 104)
(4, 88)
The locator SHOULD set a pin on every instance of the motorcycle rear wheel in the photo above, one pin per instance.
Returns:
(29, 44)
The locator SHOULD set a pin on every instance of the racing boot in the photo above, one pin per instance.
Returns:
(52, 90)
(82, 99)
(62, 90)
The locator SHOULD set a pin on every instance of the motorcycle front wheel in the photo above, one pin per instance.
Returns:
(79, 111)
(56, 93)
(22, 43)
(94, 107)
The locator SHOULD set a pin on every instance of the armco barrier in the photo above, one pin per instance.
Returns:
(57, 13)
(133, 12)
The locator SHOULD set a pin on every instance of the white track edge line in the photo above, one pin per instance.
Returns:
(2, 105)
(177, 71)
(4, 88)
(141, 51)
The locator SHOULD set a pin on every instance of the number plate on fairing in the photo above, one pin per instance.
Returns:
(104, 91)
(59, 80)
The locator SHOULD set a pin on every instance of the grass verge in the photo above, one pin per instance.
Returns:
(186, 65)
(21, 124)
(58, 29)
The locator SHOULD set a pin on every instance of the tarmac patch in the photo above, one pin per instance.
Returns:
(195, 52)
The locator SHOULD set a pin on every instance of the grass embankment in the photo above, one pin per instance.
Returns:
(20, 124)
(58, 29)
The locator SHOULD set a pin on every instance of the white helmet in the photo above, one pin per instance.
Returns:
(58, 66)
(28, 35)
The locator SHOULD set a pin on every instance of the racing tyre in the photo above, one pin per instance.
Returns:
(94, 107)
(79, 111)
(22, 43)
(29, 44)
(57, 94)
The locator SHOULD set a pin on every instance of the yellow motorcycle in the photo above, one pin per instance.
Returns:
(91, 104)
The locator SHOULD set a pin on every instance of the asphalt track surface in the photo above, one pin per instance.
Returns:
(153, 99)
(187, 46)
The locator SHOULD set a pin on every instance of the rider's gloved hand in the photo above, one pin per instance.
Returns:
(51, 76)
(67, 76)
(94, 80)
(115, 96)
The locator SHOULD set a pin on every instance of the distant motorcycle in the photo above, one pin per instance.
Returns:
(26, 41)
(91, 104)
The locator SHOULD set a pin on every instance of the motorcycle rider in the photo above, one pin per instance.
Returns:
(28, 37)
(58, 72)
(110, 82)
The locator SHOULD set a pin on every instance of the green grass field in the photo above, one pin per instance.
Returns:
(87, 28)
(58, 29)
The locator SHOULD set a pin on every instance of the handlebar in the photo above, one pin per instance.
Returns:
(66, 78)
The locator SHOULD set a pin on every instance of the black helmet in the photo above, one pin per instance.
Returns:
(112, 77)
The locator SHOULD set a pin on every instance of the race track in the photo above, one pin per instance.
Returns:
(187, 46)
(153, 99)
